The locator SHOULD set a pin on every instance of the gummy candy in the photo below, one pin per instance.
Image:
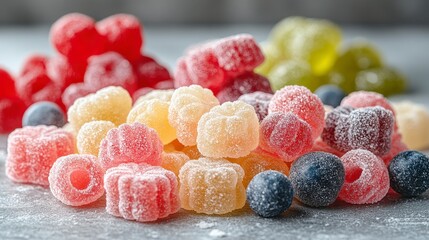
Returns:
(228, 130)
(330, 95)
(174, 161)
(272, 57)
(63, 72)
(110, 104)
(211, 186)
(192, 152)
(154, 113)
(75, 91)
(366, 128)
(367, 179)
(34, 62)
(320, 146)
(163, 95)
(259, 101)
(317, 178)
(130, 143)
(174, 146)
(247, 82)
(397, 146)
(150, 73)
(285, 135)
(8, 85)
(187, 106)
(76, 179)
(384, 80)
(304, 104)
(11, 111)
(363, 99)
(44, 113)
(90, 136)
(292, 72)
(141, 192)
(270, 193)
(33, 150)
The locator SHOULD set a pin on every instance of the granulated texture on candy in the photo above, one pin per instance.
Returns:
(259, 101)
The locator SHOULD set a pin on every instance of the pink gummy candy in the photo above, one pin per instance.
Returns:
(75, 91)
(76, 179)
(285, 135)
(363, 99)
(247, 82)
(367, 178)
(364, 128)
(141, 192)
(303, 103)
(33, 150)
(63, 72)
(259, 101)
(130, 143)
(320, 146)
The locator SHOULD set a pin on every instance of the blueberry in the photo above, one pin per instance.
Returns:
(317, 178)
(330, 95)
(44, 113)
(409, 173)
(269, 194)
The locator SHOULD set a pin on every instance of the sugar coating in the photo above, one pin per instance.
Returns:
(255, 163)
(304, 104)
(33, 150)
(174, 161)
(397, 146)
(192, 152)
(90, 136)
(270, 193)
(361, 99)
(285, 135)
(130, 143)
(368, 128)
(154, 114)
(259, 101)
(413, 124)
(320, 146)
(187, 106)
(75, 91)
(367, 179)
(228, 130)
(141, 192)
(111, 104)
(211, 186)
(44, 113)
(160, 94)
(409, 173)
(76, 179)
(317, 178)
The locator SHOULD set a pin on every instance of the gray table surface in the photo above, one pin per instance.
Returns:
(31, 212)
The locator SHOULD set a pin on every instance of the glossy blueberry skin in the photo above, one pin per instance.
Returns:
(330, 95)
(44, 113)
(409, 173)
(317, 178)
(269, 194)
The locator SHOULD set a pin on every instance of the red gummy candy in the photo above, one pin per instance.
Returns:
(181, 76)
(33, 150)
(259, 101)
(34, 62)
(75, 91)
(130, 143)
(74, 35)
(7, 84)
(247, 82)
(110, 69)
(64, 73)
(123, 33)
(11, 111)
(149, 73)
(367, 178)
(397, 146)
(285, 135)
(363, 99)
(76, 179)
(303, 103)
(320, 146)
(141, 92)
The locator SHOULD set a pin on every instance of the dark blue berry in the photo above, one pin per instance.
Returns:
(269, 194)
(330, 95)
(317, 178)
(409, 173)
(44, 113)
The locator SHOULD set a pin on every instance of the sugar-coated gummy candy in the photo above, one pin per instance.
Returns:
(397, 146)
(130, 143)
(111, 104)
(34, 62)
(363, 99)
(211, 186)
(413, 124)
(110, 69)
(174, 146)
(33, 150)
(270, 193)
(247, 82)
(285, 135)
(75, 91)
(8, 84)
(11, 111)
(154, 113)
(272, 57)
(44, 113)
(160, 94)
(320, 146)
(228, 130)
(409, 173)
(368, 128)
(187, 106)
(141, 192)
(317, 178)
(303, 103)
(192, 152)
(255, 163)
(63, 72)
(90, 136)
(367, 179)
(259, 101)
(174, 161)
(292, 72)
(330, 95)
(151, 73)
(76, 179)
(74, 35)
(123, 33)
(384, 80)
